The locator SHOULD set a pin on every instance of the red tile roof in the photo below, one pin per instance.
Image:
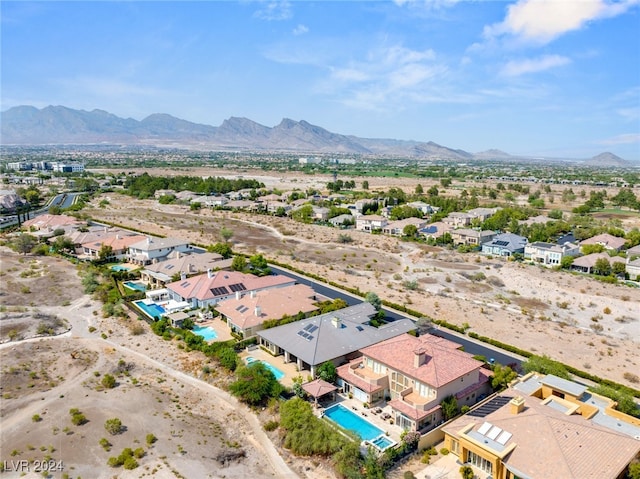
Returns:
(443, 361)
(318, 388)
(344, 373)
(410, 411)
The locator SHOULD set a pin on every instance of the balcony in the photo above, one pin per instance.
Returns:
(367, 375)
(413, 399)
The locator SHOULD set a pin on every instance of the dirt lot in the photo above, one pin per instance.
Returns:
(160, 390)
(580, 321)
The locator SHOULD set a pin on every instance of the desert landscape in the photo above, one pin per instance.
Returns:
(162, 392)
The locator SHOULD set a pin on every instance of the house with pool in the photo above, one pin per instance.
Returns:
(119, 244)
(208, 289)
(159, 273)
(545, 427)
(152, 249)
(337, 336)
(413, 375)
(246, 314)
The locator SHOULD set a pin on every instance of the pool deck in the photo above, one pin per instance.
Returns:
(289, 370)
(220, 327)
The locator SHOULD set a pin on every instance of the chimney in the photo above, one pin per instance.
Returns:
(258, 311)
(148, 240)
(183, 275)
(177, 254)
(209, 273)
(419, 357)
(117, 237)
(336, 322)
(252, 294)
(238, 295)
(516, 405)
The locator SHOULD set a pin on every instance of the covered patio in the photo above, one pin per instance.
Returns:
(319, 389)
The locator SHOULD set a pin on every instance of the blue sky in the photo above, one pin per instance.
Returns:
(556, 78)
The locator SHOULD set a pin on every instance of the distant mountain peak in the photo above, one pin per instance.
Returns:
(607, 159)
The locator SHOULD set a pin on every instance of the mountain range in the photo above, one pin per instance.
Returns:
(59, 125)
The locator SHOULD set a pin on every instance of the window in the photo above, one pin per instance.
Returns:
(479, 462)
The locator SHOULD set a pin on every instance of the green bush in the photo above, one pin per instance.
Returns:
(113, 426)
(151, 439)
(444, 451)
(271, 425)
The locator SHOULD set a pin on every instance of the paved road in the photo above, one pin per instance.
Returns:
(470, 345)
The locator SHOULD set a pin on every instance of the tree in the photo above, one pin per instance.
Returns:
(466, 472)
(226, 234)
(239, 263)
(259, 265)
(618, 268)
(433, 191)
(113, 426)
(105, 252)
(502, 376)
(566, 262)
(25, 243)
(327, 372)
(255, 384)
(544, 365)
(449, 407)
(410, 230)
(374, 299)
(222, 249)
(108, 381)
(365, 185)
(602, 267)
(445, 182)
(419, 189)
(424, 325)
(634, 470)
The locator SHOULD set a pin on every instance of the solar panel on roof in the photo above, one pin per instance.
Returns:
(170, 266)
(237, 287)
(244, 310)
(219, 291)
(502, 243)
(309, 337)
(492, 406)
(313, 328)
(485, 428)
(493, 433)
(186, 283)
(308, 327)
(504, 437)
(239, 307)
(302, 333)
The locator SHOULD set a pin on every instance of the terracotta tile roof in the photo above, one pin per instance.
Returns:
(443, 361)
(410, 411)
(344, 373)
(605, 239)
(271, 304)
(51, 221)
(548, 443)
(204, 287)
(116, 241)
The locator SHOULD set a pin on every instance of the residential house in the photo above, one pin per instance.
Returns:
(505, 244)
(549, 254)
(320, 213)
(633, 269)
(482, 214)
(342, 220)
(245, 205)
(159, 193)
(369, 223)
(425, 208)
(415, 374)
(274, 206)
(585, 264)
(153, 249)
(210, 288)
(458, 220)
(469, 237)
(245, 314)
(188, 196)
(545, 427)
(158, 274)
(435, 230)
(51, 222)
(396, 228)
(336, 336)
(214, 201)
(536, 220)
(609, 242)
(633, 252)
(119, 246)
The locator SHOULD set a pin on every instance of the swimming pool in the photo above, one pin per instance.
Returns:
(351, 421)
(119, 267)
(382, 442)
(136, 286)
(206, 332)
(276, 372)
(154, 311)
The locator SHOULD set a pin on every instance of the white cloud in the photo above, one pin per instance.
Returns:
(300, 30)
(542, 21)
(533, 65)
(274, 11)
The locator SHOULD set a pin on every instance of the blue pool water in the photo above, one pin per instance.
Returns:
(206, 332)
(276, 372)
(119, 267)
(349, 420)
(136, 286)
(152, 310)
(382, 442)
